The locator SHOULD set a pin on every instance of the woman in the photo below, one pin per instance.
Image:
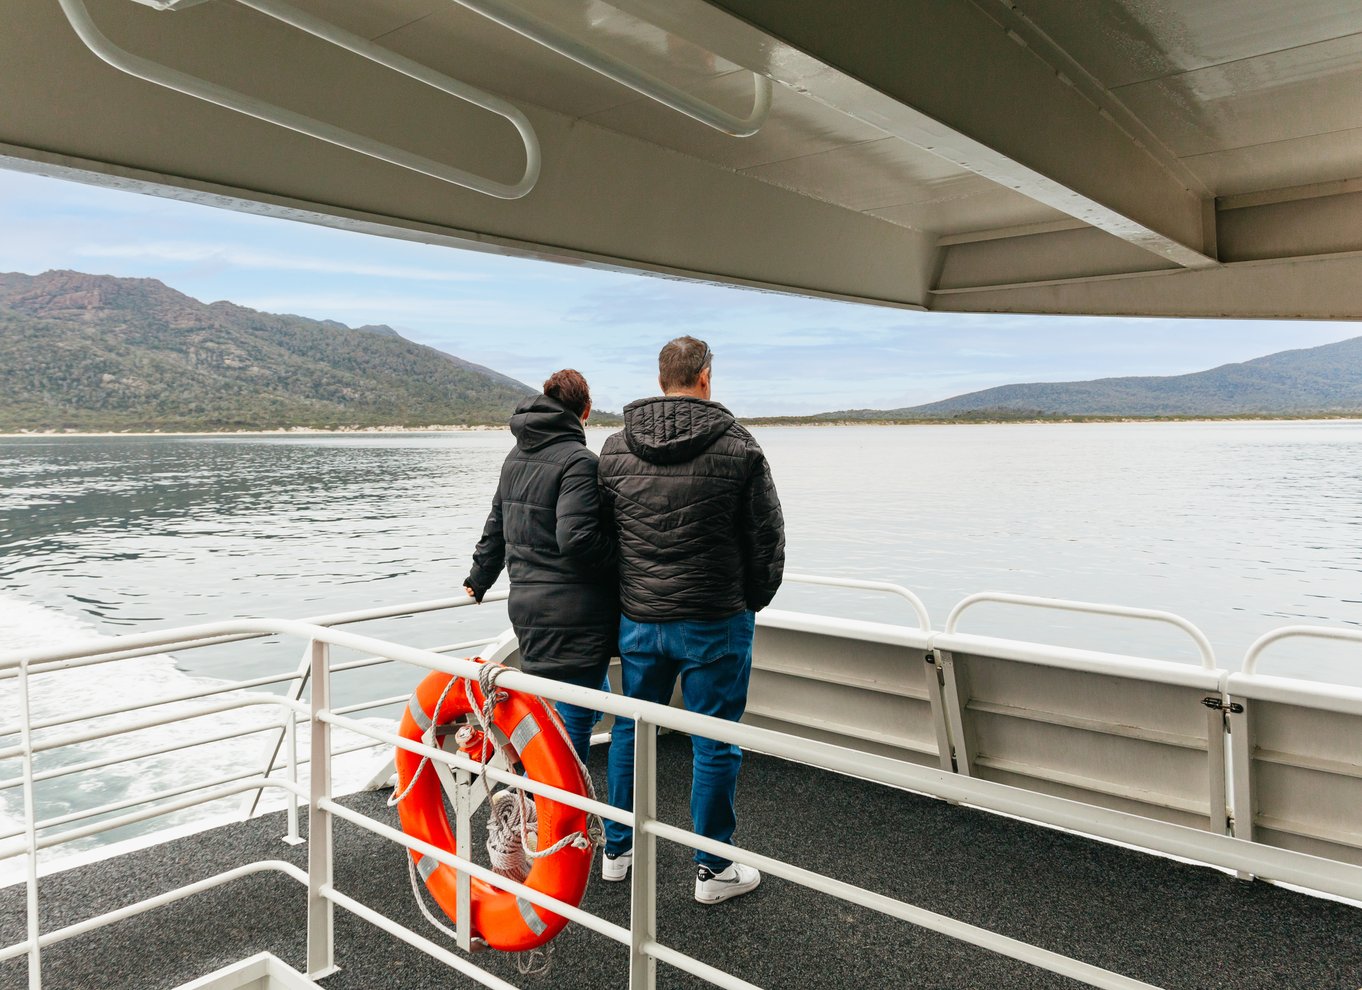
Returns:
(546, 528)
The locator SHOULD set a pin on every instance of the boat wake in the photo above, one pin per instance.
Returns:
(125, 683)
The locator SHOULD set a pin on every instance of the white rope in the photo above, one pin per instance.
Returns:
(509, 837)
(421, 901)
(427, 737)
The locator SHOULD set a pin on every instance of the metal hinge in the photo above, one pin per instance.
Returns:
(1234, 708)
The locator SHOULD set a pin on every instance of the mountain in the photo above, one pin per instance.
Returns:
(94, 352)
(1311, 380)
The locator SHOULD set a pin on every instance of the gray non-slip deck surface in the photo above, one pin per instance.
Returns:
(1169, 924)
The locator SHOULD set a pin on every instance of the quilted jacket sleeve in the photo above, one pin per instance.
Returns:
(580, 529)
(762, 529)
(489, 556)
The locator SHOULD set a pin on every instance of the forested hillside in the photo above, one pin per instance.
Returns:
(93, 352)
(1325, 379)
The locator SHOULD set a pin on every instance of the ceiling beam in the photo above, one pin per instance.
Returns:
(974, 84)
(1323, 288)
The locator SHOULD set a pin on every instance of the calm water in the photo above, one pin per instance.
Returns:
(1240, 527)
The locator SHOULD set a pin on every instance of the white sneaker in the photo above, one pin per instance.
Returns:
(616, 867)
(711, 887)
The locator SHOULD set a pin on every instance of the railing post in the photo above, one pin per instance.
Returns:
(643, 904)
(321, 949)
(463, 848)
(291, 742)
(35, 962)
(294, 693)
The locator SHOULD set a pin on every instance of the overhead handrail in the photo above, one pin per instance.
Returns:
(645, 83)
(1297, 632)
(1064, 605)
(924, 621)
(153, 72)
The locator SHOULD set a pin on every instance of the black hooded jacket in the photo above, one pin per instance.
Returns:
(547, 529)
(698, 520)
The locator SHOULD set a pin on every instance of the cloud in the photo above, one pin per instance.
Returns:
(449, 312)
(188, 252)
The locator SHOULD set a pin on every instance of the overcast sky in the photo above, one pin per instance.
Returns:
(774, 354)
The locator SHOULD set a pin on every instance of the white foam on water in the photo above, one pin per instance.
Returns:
(120, 683)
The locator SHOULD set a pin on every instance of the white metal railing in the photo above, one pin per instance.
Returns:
(300, 677)
(1250, 664)
(924, 620)
(115, 650)
(293, 710)
(27, 840)
(1203, 644)
(641, 937)
(323, 896)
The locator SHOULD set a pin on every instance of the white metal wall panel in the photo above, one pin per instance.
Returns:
(880, 697)
(1132, 744)
(1298, 782)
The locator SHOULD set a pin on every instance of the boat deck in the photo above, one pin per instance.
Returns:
(1167, 923)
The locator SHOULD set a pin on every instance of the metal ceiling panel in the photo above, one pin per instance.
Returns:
(868, 176)
(478, 51)
(1277, 165)
(372, 19)
(1129, 41)
(797, 127)
(1307, 91)
(968, 205)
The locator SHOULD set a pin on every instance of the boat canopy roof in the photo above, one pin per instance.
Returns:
(1172, 158)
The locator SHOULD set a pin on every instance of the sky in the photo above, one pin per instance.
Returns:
(774, 354)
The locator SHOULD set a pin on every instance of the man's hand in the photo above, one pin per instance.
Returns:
(468, 590)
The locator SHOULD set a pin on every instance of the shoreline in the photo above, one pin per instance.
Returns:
(792, 421)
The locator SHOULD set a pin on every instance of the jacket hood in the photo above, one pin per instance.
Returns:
(539, 421)
(673, 429)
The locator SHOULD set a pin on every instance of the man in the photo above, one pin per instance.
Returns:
(701, 549)
(547, 529)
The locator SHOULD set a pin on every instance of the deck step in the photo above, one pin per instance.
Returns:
(260, 972)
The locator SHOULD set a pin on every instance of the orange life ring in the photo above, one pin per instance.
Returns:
(503, 920)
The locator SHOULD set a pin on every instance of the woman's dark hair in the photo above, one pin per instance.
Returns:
(570, 388)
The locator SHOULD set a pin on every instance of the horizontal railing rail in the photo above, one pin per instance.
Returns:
(1250, 665)
(151, 903)
(924, 620)
(1203, 645)
(84, 654)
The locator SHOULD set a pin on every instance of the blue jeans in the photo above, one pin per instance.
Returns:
(577, 720)
(713, 659)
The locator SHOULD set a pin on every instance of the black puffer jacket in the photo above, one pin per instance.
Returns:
(547, 528)
(698, 520)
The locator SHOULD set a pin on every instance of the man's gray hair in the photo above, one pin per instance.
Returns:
(681, 361)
